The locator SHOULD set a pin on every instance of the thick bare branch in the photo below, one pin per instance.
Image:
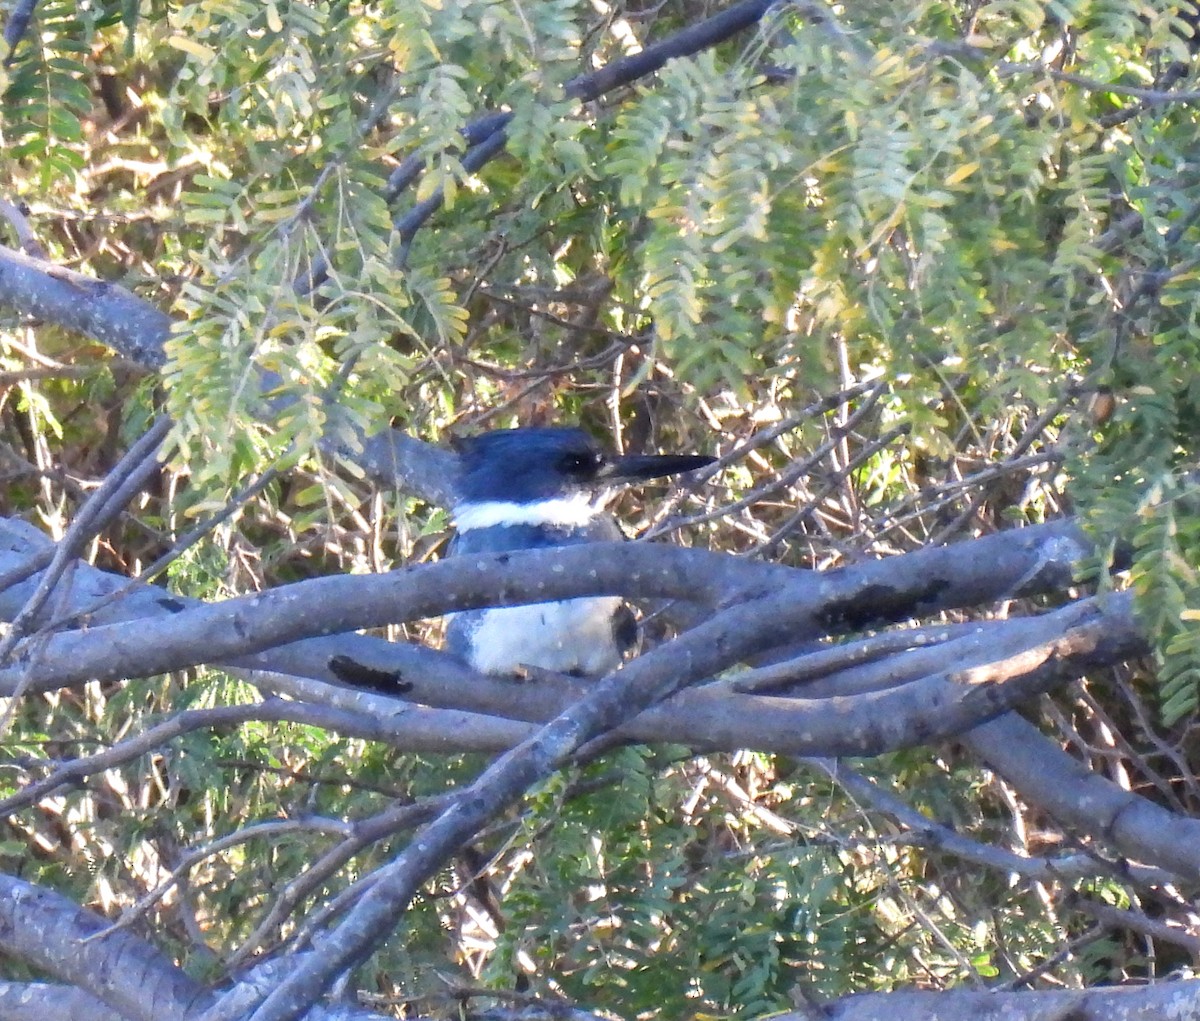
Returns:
(106, 312)
(260, 980)
(1004, 663)
(1177, 1000)
(612, 702)
(105, 966)
(60, 938)
(1063, 786)
(802, 604)
(43, 1001)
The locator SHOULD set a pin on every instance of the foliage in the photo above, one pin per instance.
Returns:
(939, 195)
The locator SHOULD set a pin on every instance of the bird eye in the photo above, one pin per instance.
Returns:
(579, 463)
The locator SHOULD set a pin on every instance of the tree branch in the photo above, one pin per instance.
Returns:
(803, 604)
(1177, 1000)
(124, 482)
(487, 138)
(121, 971)
(1048, 777)
(109, 965)
(609, 704)
(137, 330)
(42, 1001)
(166, 637)
(106, 312)
(926, 832)
(1149, 97)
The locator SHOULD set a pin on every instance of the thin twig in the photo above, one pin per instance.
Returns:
(178, 548)
(840, 657)
(266, 828)
(185, 722)
(20, 224)
(123, 482)
(1150, 97)
(785, 478)
(929, 833)
(363, 834)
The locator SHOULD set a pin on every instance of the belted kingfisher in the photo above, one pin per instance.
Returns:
(529, 489)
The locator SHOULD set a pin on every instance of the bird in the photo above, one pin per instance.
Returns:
(538, 487)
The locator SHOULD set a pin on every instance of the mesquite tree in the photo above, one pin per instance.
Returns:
(920, 652)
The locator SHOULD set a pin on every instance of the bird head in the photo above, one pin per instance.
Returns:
(526, 465)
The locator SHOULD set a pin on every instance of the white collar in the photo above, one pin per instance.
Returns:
(576, 510)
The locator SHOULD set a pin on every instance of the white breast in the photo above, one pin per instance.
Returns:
(572, 636)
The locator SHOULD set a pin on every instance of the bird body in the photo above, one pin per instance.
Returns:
(569, 636)
(532, 489)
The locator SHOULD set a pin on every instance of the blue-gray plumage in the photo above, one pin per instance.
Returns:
(530, 489)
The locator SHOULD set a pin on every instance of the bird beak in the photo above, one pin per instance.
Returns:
(640, 467)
